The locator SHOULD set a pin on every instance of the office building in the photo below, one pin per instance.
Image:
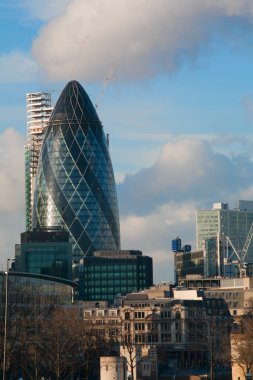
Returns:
(38, 106)
(210, 261)
(107, 273)
(46, 252)
(221, 221)
(75, 186)
(186, 263)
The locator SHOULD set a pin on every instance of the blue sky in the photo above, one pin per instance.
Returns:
(179, 109)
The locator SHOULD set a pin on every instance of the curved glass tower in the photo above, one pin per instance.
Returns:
(75, 185)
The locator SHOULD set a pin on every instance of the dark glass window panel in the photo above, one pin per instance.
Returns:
(81, 163)
(74, 150)
(68, 215)
(76, 229)
(85, 242)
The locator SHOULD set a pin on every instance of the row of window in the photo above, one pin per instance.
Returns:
(155, 326)
(128, 275)
(120, 282)
(113, 290)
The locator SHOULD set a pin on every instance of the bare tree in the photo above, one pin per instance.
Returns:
(242, 344)
(60, 343)
(132, 338)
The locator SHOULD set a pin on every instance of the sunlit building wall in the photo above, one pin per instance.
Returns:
(38, 107)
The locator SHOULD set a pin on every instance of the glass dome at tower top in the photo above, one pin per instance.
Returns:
(75, 186)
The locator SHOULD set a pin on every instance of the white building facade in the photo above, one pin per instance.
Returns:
(39, 109)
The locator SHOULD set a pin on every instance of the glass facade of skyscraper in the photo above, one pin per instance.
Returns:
(223, 221)
(75, 185)
(108, 273)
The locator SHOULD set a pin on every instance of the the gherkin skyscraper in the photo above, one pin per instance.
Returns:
(75, 186)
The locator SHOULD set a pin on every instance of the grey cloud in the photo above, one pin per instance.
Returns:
(141, 38)
(159, 203)
(186, 170)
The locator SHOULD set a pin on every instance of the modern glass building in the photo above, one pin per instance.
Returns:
(46, 252)
(222, 221)
(75, 186)
(108, 273)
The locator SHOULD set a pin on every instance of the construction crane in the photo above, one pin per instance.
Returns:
(241, 255)
(108, 79)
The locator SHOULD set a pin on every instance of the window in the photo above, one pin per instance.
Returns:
(165, 338)
(165, 326)
(152, 338)
(178, 315)
(178, 326)
(139, 326)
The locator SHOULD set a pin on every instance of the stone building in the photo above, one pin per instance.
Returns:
(166, 334)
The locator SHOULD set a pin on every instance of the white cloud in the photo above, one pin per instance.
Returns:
(17, 67)
(152, 234)
(12, 197)
(11, 171)
(187, 169)
(159, 203)
(142, 38)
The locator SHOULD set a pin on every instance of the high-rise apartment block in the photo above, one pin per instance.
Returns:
(38, 105)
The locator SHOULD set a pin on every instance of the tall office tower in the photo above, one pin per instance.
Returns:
(221, 220)
(75, 185)
(38, 105)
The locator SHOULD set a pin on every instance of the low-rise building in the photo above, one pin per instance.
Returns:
(236, 292)
(177, 330)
